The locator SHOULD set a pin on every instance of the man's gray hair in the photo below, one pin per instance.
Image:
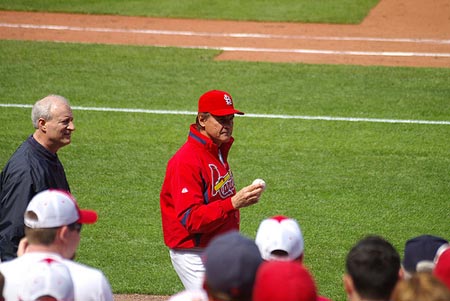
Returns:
(42, 108)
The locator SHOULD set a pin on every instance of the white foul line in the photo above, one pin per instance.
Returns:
(318, 51)
(270, 116)
(250, 49)
(227, 35)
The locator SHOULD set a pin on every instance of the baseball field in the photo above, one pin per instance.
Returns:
(347, 117)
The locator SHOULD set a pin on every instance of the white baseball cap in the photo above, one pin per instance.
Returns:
(56, 208)
(47, 277)
(279, 233)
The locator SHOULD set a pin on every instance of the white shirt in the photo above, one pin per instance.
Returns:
(90, 284)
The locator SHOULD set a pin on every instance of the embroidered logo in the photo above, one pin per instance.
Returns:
(222, 185)
(228, 99)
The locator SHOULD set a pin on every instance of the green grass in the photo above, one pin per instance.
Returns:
(341, 180)
(323, 11)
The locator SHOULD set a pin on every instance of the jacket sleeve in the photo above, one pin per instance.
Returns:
(16, 191)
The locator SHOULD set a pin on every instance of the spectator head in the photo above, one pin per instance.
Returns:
(47, 280)
(284, 280)
(231, 261)
(421, 286)
(442, 267)
(420, 252)
(372, 269)
(280, 238)
(53, 219)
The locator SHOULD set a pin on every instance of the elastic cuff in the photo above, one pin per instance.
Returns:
(227, 205)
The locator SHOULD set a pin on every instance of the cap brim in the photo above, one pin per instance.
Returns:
(87, 217)
(226, 112)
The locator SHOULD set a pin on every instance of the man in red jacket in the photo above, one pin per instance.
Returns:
(198, 198)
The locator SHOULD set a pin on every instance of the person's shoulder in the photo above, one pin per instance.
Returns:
(84, 270)
(186, 151)
(21, 164)
(17, 265)
(21, 155)
(90, 283)
(10, 265)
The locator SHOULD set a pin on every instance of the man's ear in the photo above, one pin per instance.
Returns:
(42, 124)
(201, 119)
(63, 233)
(348, 284)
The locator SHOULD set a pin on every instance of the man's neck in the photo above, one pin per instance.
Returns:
(32, 248)
(42, 141)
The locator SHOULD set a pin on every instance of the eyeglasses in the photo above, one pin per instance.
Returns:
(75, 227)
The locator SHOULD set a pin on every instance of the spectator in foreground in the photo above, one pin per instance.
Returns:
(231, 262)
(280, 238)
(53, 224)
(419, 254)
(47, 280)
(372, 270)
(421, 286)
(442, 266)
(284, 280)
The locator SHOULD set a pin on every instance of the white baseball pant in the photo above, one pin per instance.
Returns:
(189, 267)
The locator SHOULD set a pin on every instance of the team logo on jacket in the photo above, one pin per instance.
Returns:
(222, 185)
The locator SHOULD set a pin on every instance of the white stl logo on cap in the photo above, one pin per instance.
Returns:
(228, 99)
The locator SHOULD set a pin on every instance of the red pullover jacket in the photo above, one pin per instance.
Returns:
(195, 198)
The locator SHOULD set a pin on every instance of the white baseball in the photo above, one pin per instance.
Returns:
(260, 181)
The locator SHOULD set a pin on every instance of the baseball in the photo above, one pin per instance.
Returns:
(260, 181)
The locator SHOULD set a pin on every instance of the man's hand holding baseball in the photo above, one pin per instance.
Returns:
(247, 196)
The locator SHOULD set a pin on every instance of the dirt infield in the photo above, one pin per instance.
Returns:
(136, 297)
(396, 33)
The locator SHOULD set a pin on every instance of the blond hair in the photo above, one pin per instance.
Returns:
(422, 286)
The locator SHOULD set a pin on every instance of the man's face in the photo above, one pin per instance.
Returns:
(60, 127)
(218, 128)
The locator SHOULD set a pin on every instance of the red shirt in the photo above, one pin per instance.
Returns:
(195, 198)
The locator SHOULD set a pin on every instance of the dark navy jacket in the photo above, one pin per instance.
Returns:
(31, 169)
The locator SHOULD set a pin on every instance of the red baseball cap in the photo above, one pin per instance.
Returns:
(442, 267)
(284, 280)
(217, 103)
